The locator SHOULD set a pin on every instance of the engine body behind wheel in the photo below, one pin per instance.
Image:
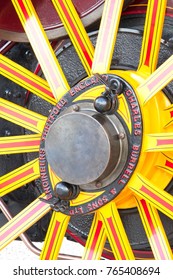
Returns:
(11, 29)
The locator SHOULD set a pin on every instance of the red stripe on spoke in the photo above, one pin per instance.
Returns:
(23, 9)
(160, 77)
(17, 177)
(76, 33)
(96, 236)
(169, 164)
(161, 142)
(154, 233)
(116, 239)
(52, 240)
(29, 143)
(152, 26)
(26, 80)
(18, 115)
(23, 220)
(37, 40)
(157, 198)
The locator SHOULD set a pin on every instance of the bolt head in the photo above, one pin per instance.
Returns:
(122, 135)
(76, 108)
(98, 185)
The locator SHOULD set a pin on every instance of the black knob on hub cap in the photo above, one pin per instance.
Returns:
(66, 191)
(102, 104)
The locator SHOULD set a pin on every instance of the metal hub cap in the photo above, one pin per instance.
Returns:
(89, 149)
(85, 147)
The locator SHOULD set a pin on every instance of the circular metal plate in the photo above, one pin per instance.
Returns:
(78, 148)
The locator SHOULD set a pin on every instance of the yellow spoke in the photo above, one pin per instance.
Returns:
(55, 235)
(157, 81)
(155, 231)
(166, 163)
(107, 36)
(42, 48)
(19, 177)
(152, 36)
(22, 221)
(76, 32)
(158, 142)
(26, 79)
(115, 232)
(160, 199)
(95, 241)
(168, 116)
(19, 144)
(21, 116)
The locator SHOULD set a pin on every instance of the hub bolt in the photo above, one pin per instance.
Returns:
(76, 108)
(122, 135)
(98, 185)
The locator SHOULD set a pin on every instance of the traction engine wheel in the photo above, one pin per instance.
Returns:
(103, 156)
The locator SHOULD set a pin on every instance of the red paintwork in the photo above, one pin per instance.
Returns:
(9, 19)
(135, 9)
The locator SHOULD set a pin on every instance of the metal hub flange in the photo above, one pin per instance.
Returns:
(95, 152)
(85, 148)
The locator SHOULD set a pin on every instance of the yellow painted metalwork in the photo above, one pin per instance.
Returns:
(42, 48)
(22, 221)
(55, 235)
(165, 162)
(115, 232)
(19, 144)
(19, 177)
(91, 93)
(21, 116)
(53, 177)
(168, 116)
(152, 36)
(76, 32)
(26, 79)
(107, 36)
(157, 197)
(158, 142)
(154, 230)
(156, 81)
(85, 197)
(95, 241)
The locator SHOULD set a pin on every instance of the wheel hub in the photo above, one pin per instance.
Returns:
(97, 152)
(84, 147)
